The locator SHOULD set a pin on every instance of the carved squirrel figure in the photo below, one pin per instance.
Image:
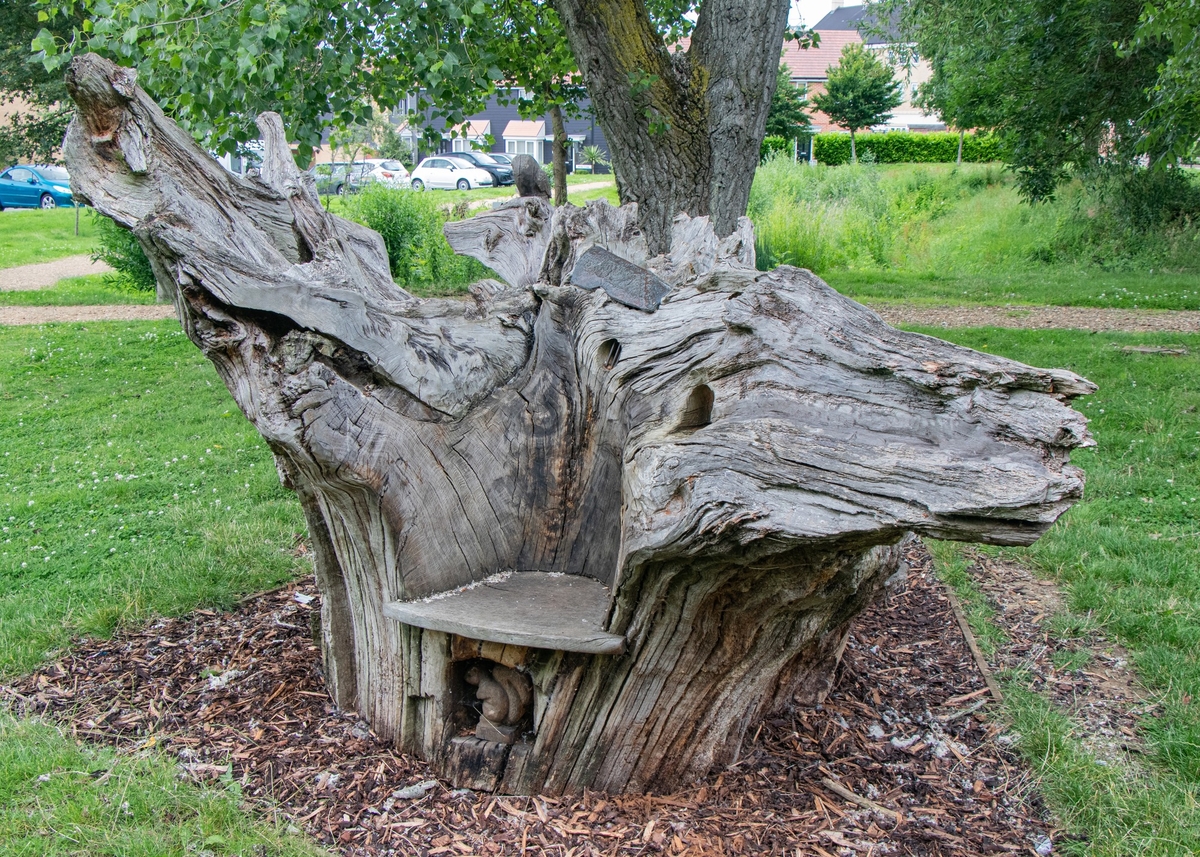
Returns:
(505, 694)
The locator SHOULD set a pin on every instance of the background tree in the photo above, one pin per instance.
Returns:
(35, 130)
(787, 117)
(386, 140)
(530, 46)
(861, 92)
(1170, 29)
(214, 66)
(1047, 75)
(684, 127)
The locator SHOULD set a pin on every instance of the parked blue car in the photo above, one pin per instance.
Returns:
(35, 187)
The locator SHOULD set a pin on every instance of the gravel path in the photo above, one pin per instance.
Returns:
(45, 274)
(1044, 318)
(46, 314)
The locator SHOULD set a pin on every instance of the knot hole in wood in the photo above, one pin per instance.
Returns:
(609, 353)
(697, 413)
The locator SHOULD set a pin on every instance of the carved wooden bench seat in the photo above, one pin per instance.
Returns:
(536, 609)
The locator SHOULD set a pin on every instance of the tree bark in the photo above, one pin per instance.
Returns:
(559, 154)
(694, 501)
(684, 128)
(853, 150)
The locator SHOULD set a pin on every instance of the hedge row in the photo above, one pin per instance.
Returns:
(904, 147)
(774, 144)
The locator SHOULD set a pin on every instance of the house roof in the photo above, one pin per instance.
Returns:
(863, 21)
(808, 63)
(473, 129)
(525, 129)
(814, 63)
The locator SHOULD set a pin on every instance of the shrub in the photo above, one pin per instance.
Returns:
(410, 224)
(117, 247)
(771, 145)
(1127, 218)
(903, 147)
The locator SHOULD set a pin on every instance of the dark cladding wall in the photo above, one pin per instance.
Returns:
(584, 125)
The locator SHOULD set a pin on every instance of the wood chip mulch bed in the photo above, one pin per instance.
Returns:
(904, 758)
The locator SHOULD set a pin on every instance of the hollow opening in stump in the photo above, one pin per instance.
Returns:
(698, 411)
(609, 353)
(492, 701)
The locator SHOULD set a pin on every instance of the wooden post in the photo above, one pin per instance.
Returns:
(582, 528)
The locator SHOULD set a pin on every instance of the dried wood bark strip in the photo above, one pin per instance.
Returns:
(980, 661)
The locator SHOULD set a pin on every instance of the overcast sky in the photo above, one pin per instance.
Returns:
(811, 11)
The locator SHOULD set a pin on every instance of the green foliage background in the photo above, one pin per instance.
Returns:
(860, 92)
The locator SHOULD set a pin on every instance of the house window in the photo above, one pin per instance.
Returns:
(523, 147)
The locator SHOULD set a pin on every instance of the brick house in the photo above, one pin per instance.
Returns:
(845, 24)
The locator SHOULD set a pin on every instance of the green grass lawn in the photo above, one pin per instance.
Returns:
(1048, 285)
(62, 798)
(33, 235)
(1129, 559)
(453, 197)
(90, 290)
(131, 486)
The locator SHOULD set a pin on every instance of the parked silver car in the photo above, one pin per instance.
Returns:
(445, 172)
(388, 171)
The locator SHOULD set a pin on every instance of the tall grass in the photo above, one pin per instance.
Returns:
(941, 220)
(851, 217)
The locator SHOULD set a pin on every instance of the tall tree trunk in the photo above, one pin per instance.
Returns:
(853, 151)
(684, 129)
(559, 154)
(626, 531)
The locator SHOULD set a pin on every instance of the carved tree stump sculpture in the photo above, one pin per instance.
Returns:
(627, 531)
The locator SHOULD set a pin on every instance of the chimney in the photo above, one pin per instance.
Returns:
(837, 4)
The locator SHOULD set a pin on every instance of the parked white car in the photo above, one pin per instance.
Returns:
(446, 172)
(386, 170)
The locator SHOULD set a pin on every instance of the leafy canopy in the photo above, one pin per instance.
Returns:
(861, 90)
(35, 129)
(1170, 29)
(1049, 75)
(214, 65)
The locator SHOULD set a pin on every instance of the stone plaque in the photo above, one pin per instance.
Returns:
(624, 282)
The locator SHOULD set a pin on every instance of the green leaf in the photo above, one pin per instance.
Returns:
(44, 41)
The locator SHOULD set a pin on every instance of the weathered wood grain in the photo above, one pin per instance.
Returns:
(736, 467)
